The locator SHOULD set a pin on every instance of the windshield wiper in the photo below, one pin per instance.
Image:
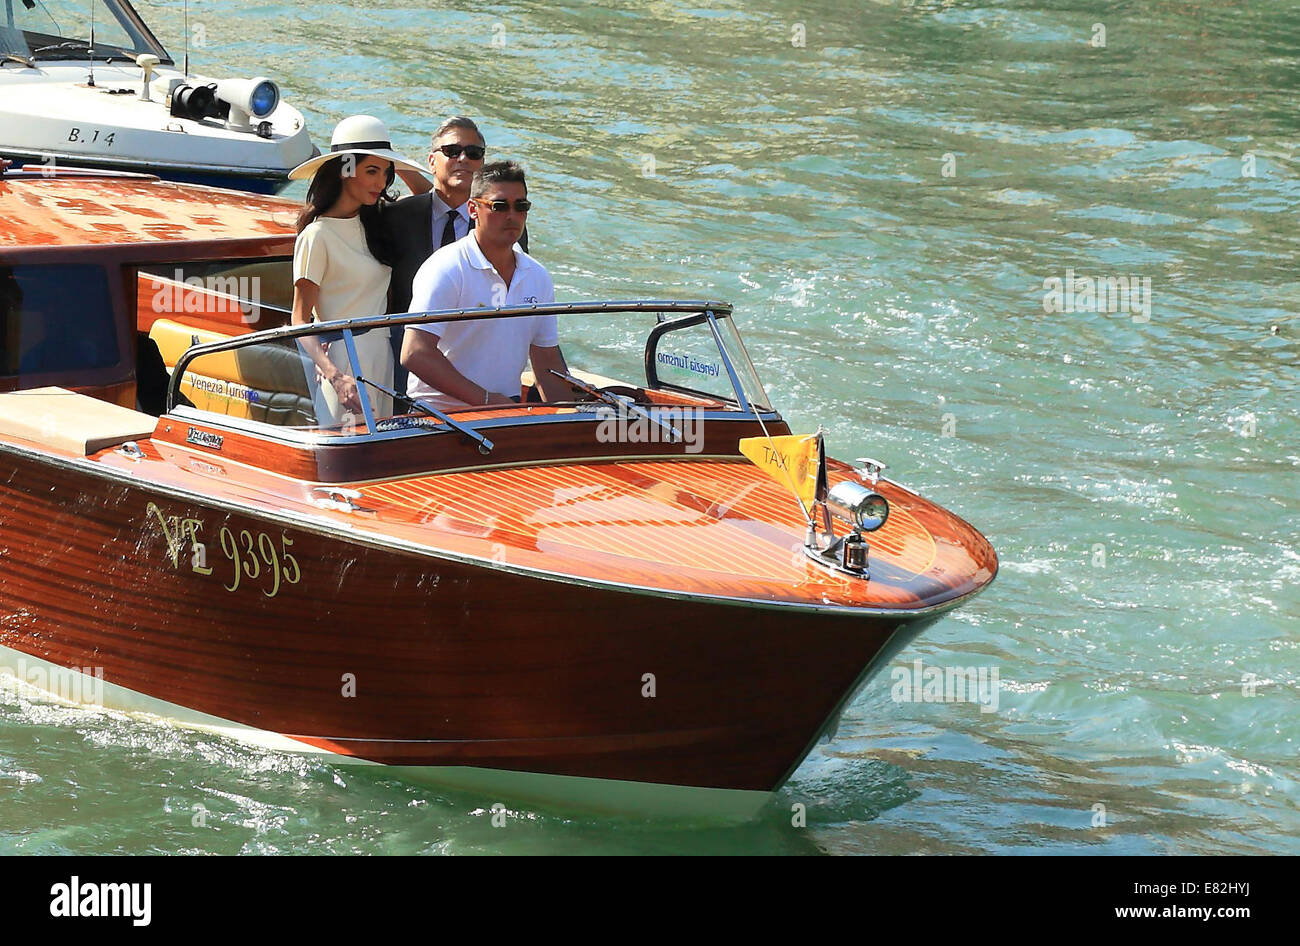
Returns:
(484, 445)
(80, 44)
(580, 385)
(107, 54)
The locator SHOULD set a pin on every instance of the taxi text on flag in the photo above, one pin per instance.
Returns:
(791, 461)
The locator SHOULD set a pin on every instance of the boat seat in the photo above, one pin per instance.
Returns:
(71, 422)
(265, 382)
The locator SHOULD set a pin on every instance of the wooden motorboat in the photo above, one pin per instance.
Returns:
(598, 603)
(87, 83)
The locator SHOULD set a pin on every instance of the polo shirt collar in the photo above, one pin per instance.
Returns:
(479, 261)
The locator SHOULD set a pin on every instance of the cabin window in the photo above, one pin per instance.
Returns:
(56, 318)
(250, 294)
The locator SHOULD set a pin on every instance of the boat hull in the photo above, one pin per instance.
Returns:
(428, 663)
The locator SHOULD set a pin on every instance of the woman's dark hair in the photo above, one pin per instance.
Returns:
(325, 189)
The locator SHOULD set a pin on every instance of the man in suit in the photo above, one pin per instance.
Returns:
(433, 217)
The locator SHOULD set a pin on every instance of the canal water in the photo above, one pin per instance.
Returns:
(1039, 257)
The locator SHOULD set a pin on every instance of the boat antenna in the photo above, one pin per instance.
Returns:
(187, 39)
(90, 80)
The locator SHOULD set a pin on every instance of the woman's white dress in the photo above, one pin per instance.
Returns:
(332, 253)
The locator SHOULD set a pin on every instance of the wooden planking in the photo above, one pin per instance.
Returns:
(707, 515)
(902, 539)
(499, 515)
(130, 212)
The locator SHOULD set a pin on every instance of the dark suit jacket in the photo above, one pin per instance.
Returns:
(409, 225)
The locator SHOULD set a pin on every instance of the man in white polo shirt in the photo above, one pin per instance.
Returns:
(479, 361)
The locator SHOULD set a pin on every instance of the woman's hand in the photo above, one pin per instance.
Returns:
(345, 386)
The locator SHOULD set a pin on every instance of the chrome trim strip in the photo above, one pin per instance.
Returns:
(332, 530)
(295, 437)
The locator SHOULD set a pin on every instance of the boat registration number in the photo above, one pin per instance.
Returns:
(90, 136)
(252, 558)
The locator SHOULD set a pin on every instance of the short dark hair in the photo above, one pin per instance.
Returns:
(457, 121)
(496, 173)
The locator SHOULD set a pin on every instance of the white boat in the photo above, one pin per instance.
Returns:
(85, 83)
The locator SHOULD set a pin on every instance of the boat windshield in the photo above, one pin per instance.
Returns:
(61, 29)
(647, 354)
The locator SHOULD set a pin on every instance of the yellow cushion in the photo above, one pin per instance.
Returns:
(75, 423)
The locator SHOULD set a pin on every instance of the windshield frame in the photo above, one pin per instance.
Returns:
(127, 18)
(744, 398)
(706, 310)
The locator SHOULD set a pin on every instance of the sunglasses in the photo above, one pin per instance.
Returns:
(473, 152)
(501, 206)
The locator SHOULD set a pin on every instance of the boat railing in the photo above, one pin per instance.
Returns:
(456, 315)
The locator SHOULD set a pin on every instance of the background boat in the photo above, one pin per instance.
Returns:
(64, 103)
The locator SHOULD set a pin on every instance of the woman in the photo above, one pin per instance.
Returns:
(341, 261)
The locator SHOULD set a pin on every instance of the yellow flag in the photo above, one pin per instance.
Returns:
(791, 461)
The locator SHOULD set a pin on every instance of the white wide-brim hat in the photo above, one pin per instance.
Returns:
(359, 134)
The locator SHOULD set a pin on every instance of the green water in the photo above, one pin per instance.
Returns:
(883, 204)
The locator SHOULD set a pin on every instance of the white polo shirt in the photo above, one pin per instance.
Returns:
(494, 352)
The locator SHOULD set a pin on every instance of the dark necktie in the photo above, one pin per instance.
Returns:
(449, 231)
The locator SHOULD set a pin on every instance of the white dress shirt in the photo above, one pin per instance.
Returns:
(439, 222)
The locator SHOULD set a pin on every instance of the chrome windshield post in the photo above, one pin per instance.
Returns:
(362, 395)
(741, 399)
